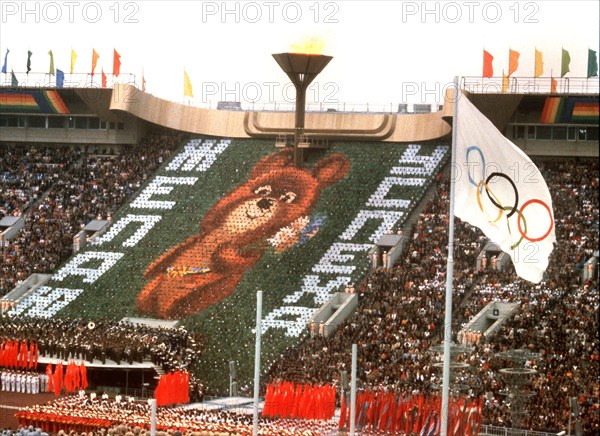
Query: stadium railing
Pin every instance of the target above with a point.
(490, 430)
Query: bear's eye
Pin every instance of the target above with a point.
(263, 190)
(288, 197)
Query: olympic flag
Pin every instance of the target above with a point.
(501, 191)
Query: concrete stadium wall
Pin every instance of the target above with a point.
(239, 124)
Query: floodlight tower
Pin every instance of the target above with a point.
(301, 69)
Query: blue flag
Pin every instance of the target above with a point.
(60, 78)
(5, 61)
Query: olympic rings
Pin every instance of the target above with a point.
(478, 150)
(524, 233)
(521, 221)
(500, 212)
(498, 205)
(516, 244)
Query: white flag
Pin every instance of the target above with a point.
(501, 191)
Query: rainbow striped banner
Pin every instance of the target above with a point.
(585, 112)
(576, 110)
(32, 101)
(553, 108)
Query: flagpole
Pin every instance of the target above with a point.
(449, 269)
(153, 417)
(353, 390)
(257, 362)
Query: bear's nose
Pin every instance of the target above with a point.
(264, 203)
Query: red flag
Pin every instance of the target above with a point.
(186, 387)
(294, 413)
(76, 377)
(95, 57)
(58, 378)
(36, 354)
(553, 85)
(116, 63)
(8, 354)
(158, 392)
(15, 354)
(169, 391)
(488, 69)
(50, 377)
(23, 355)
(83, 375)
(305, 409)
(267, 409)
(103, 79)
(332, 394)
(31, 355)
(387, 412)
(343, 413)
(69, 378)
(276, 399)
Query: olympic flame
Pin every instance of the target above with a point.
(312, 45)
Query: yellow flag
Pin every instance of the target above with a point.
(539, 64)
(187, 85)
(504, 82)
(73, 59)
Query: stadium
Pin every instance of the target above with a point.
(174, 269)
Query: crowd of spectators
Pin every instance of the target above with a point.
(27, 172)
(400, 314)
(60, 189)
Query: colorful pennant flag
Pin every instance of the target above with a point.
(5, 65)
(13, 79)
(539, 64)
(553, 85)
(564, 63)
(116, 63)
(488, 69)
(515, 213)
(103, 78)
(187, 85)
(51, 69)
(95, 57)
(73, 59)
(592, 69)
(29, 61)
(60, 78)
(513, 61)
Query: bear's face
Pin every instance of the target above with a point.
(268, 202)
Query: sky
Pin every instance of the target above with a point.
(384, 52)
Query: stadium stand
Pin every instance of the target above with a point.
(397, 324)
(60, 189)
(400, 313)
